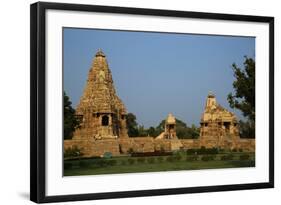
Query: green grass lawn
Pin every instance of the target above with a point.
(152, 164)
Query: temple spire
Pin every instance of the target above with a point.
(211, 102)
(100, 53)
(102, 110)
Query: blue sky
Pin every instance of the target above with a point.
(157, 73)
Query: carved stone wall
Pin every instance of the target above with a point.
(190, 143)
(136, 144)
(91, 148)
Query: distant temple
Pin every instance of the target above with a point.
(169, 128)
(104, 129)
(218, 126)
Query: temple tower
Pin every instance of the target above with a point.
(170, 127)
(218, 126)
(102, 113)
(211, 101)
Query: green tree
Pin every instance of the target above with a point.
(243, 97)
(247, 129)
(194, 131)
(142, 131)
(70, 121)
(151, 132)
(132, 125)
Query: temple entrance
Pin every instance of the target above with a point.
(105, 120)
(227, 126)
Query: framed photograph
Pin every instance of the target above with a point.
(129, 102)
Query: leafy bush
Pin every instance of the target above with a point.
(150, 160)
(72, 152)
(207, 151)
(191, 158)
(244, 157)
(170, 159)
(131, 161)
(150, 154)
(84, 164)
(160, 159)
(207, 158)
(111, 162)
(240, 150)
(234, 150)
(123, 162)
(68, 165)
(177, 157)
(227, 157)
(141, 160)
(100, 163)
(221, 150)
(179, 152)
(202, 150)
(191, 151)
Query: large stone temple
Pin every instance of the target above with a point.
(101, 111)
(103, 122)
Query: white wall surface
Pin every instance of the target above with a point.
(14, 101)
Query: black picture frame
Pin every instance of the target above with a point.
(38, 101)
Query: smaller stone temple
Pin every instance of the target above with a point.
(102, 113)
(170, 127)
(169, 134)
(219, 127)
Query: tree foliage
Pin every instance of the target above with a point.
(132, 125)
(247, 129)
(243, 97)
(70, 121)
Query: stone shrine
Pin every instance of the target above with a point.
(102, 113)
(218, 125)
(170, 127)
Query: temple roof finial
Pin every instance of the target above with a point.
(170, 119)
(100, 53)
(211, 94)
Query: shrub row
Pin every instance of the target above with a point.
(227, 157)
(191, 158)
(149, 154)
(89, 163)
(237, 150)
(207, 158)
(100, 162)
(244, 157)
(203, 150)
